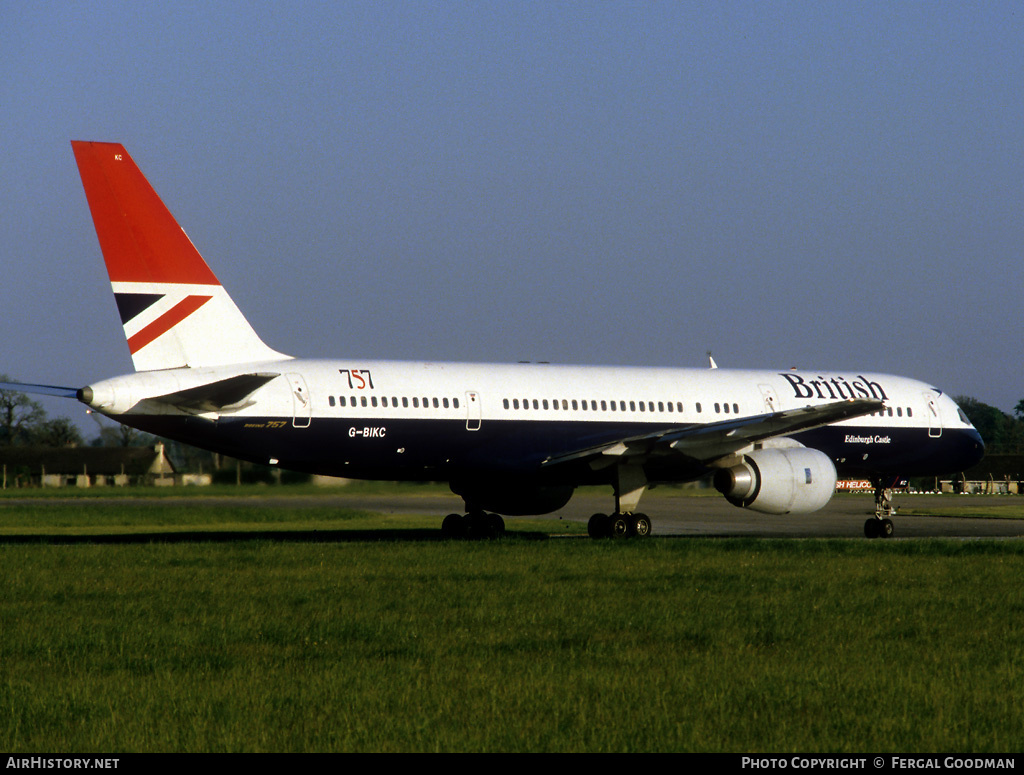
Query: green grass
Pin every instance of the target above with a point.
(139, 517)
(130, 516)
(148, 492)
(1008, 507)
(512, 645)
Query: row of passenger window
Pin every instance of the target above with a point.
(406, 402)
(593, 405)
(540, 404)
(887, 412)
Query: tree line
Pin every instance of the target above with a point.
(1002, 433)
(24, 422)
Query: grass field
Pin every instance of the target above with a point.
(512, 645)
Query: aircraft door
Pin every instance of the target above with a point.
(934, 416)
(302, 406)
(771, 403)
(473, 416)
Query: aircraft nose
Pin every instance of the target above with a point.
(972, 449)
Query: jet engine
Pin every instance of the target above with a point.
(779, 481)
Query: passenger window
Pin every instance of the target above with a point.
(435, 403)
(455, 403)
(545, 404)
(364, 401)
(416, 402)
(444, 402)
(405, 402)
(373, 401)
(536, 404)
(330, 400)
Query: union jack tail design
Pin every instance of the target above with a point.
(174, 310)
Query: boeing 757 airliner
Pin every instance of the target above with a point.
(513, 439)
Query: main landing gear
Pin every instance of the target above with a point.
(475, 524)
(630, 483)
(880, 525)
(619, 525)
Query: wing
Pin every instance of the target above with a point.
(43, 390)
(705, 443)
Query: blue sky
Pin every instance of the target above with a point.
(825, 185)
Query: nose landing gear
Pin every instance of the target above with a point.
(880, 525)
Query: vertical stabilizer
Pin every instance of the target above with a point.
(174, 310)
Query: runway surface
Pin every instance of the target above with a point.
(681, 515)
(673, 514)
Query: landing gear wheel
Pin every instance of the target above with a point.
(879, 528)
(598, 526)
(453, 526)
(479, 524)
(620, 526)
(494, 526)
(641, 525)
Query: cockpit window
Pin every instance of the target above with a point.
(963, 417)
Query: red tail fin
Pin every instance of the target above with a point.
(141, 240)
(174, 310)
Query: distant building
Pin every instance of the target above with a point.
(85, 466)
(995, 474)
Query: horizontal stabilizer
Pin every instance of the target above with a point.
(225, 394)
(43, 390)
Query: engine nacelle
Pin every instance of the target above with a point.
(779, 481)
